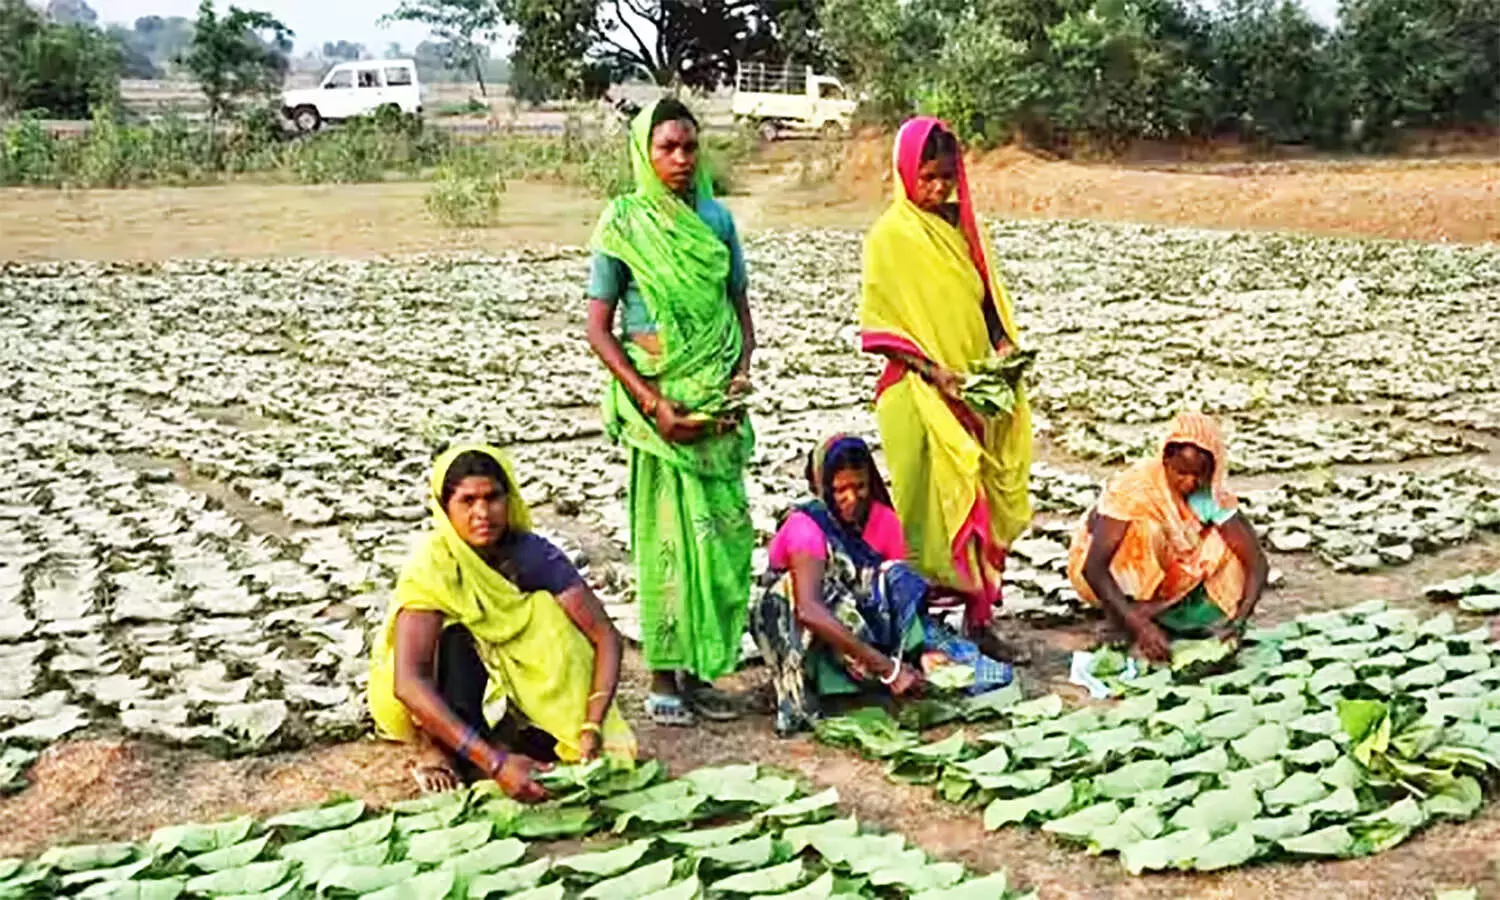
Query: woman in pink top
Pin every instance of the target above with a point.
(841, 606)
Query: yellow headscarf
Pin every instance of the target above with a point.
(537, 658)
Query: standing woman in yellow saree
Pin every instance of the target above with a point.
(933, 306)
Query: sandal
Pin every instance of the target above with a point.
(714, 704)
(434, 777)
(433, 769)
(669, 711)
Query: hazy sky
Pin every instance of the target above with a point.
(316, 21)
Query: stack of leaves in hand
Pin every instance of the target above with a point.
(1337, 734)
(990, 386)
(765, 838)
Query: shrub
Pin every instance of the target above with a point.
(462, 198)
(30, 154)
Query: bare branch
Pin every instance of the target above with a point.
(645, 53)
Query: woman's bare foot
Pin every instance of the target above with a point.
(432, 771)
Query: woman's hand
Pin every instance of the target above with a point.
(516, 777)
(949, 383)
(676, 426)
(1230, 631)
(1149, 637)
(589, 745)
(909, 681)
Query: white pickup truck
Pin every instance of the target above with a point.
(355, 89)
(782, 99)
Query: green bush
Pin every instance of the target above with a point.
(462, 197)
(29, 154)
(171, 151)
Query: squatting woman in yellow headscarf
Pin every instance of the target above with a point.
(495, 655)
(934, 307)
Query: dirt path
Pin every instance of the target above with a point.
(806, 184)
(1422, 200)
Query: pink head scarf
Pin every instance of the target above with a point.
(910, 141)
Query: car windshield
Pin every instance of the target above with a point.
(342, 79)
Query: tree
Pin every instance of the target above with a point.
(563, 47)
(796, 34)
(343, 51)
(60, 70)
(550, 56)
(1423, 63)
(241, 55)
(879, 45)
(161, 40)
(990, 84)
(465, 25)
(1121, 72)
(71, 12)
(1277, 74)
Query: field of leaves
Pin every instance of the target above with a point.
(731, 832)
(217, 467)
(1333, 735)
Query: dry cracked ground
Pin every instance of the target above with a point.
(214, 471)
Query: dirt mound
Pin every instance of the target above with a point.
(1415, 199)
(122, 790)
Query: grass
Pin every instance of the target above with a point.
(471, 107)
(169, 151)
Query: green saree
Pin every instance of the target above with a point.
(691, 536)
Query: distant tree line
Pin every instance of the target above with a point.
(1061, 72)
(1056, 73)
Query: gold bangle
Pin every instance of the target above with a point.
(590, 726)
(596, 695)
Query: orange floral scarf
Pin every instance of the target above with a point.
(1167, 551)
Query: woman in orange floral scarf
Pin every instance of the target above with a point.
(1165, 550)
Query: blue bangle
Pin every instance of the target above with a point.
(467, 744)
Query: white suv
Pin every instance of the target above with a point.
(355, 89)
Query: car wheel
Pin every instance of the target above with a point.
(307, 119)
(769, 131)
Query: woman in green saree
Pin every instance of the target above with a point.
(667, 260)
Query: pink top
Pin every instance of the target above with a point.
(801, 534)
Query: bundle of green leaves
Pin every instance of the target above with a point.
(990, 386)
